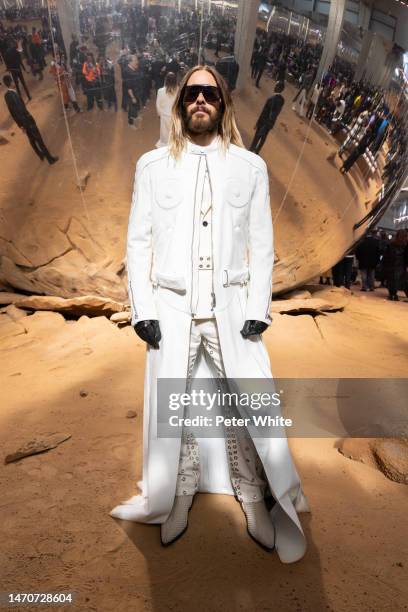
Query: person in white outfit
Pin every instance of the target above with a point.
(200, 258)
(164, 103)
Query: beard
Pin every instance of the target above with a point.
(200, 125)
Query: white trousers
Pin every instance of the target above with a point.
(245, 466)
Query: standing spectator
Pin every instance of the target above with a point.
(356, 131)
(26, 121)
(368, 256)
(14, 65)
(164, 103)
(92, 84)
(158, 72)
(260, 64)
(359, 150)
(123, 62)
(37, 40)
(62, 76)
(267, 118)
(134, 84)
(3, 47)
(335, 123)
(281, 70)
(108, 82)
(34, 58)
(254, 59)
(380, 134)
(75, 59)
(314, 99)
(300, 98)
(395, 263)
(342, 272)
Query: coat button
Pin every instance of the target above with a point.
(205, 223)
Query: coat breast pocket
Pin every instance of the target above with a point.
(237, 193)
(168, 193)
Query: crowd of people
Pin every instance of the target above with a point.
(153, 43)
(341, 105)
(380, 257)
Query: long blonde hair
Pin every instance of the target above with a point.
(227, 127)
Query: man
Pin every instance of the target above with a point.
(368, 256)
(260, 64)
(25, 121)
(342, 271)
(200, 258)
(268, 117)
(108, 82)
(133, 79)
(14, 65)
(396, 264)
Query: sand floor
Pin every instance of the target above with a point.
(81, 377)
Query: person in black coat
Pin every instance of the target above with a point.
(14, 65)
(260, 64)
(267, 118)
(368, 255)
(133, 79)
(358, 150)
(395, 263)
(26, 121)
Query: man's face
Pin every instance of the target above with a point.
(200, 115)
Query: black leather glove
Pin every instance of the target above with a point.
(149, 331)
(253, 328)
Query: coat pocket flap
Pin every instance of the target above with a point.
(231, 276)
(170, 282)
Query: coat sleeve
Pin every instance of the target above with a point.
(139, 249)
(260, 253)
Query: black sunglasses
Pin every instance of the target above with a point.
(210, 93)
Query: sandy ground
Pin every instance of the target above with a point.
(81, 377)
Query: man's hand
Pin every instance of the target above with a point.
(253, 328)
(149, 331)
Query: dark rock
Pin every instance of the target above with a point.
(36, 446)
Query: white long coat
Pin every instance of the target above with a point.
(164, 103)
(159, 256)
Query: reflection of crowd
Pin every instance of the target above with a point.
(378, 256)
(335, 101)
(358, 110)
(154, 42)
